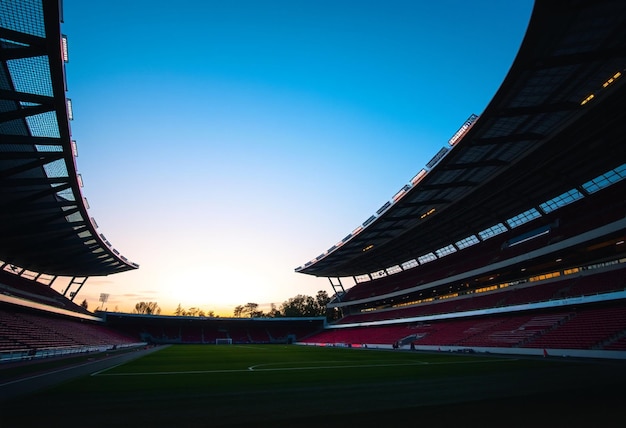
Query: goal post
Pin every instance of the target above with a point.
(224, 341)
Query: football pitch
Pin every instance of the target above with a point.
(275, 385)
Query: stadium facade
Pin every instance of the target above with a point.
(514, 232)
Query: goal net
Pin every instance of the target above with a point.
(224, 341)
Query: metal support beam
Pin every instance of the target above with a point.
(337, 288)
(75, 280)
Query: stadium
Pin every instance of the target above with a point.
(490, 289)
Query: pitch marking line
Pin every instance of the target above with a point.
(102, 372)
(263, 367)
(27, 378)
(368, 365)
(260, 367)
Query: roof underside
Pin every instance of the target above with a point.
(44, 224)
(536, 139)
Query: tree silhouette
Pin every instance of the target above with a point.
(297, 306)
(147, 308)
(180, 311)
(300, 306)
(238, 311)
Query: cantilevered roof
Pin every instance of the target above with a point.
(44, 223)
(557, 121)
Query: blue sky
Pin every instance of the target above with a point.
(223, 144)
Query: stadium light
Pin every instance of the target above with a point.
(587, 99)
(426, 214)
(64, 50)
(418, 177)
(611, 80)
(70, 113)
(463, 130)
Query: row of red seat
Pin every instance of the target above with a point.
(588, 283)
(25, 330)
(600, 327)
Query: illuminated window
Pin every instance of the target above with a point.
(606, 179)
(611, 80)
(394, 269)
(379, 274)
(544, 276)
(426, 258)
(561, 200)
(524, 217)
(445, 250)
(485, 289)
(587, 99)
(449, 296)
(492, 231)
(429, 212)
(74, 217)
(467, 242)
(410, 264)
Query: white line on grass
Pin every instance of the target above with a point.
(259, 368)
(255, 347)
(371, 364)
(101, 373)
(45, 374)
(340, 366)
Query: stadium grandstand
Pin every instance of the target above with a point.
(46, 232)
(510, 240)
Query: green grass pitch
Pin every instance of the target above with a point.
(231, 385)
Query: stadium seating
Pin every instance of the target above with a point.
(581, 284)
(584, 328)
(32, 333)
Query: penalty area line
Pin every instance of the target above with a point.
(101, 373)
